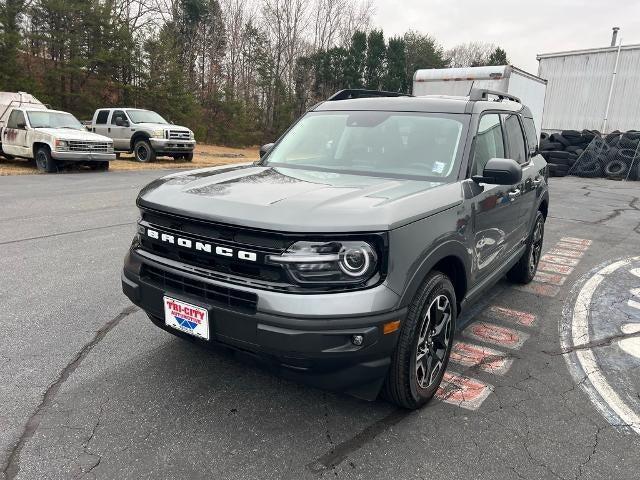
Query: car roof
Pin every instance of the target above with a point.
(431, 103)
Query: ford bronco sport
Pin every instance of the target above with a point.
(345, 254)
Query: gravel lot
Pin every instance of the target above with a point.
(89, 388)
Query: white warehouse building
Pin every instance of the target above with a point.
(581, 84)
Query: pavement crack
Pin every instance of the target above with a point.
(603, 342)
(51, 235)
(12, 465)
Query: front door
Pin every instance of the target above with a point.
(14, 135)
(495, 209)
(121, 135)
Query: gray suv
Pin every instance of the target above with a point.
(343, 257)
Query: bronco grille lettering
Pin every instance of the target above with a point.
(201, 246)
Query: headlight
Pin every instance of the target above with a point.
(62, 145)
(349, 262)
(110, 148)
(157, 134)
(192, 136)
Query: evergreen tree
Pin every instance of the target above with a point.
(498, 57)
(395, 78)
(375, 60)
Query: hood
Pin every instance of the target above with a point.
(68, 134)
(159, 126)
(298, 200)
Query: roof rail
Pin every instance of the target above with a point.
(478, 94)
(349, 93)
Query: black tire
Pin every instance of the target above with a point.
(435, 299)
(616, 169)
(550, 146)
(563, 162)
(143, 152)
(44, 161)
(559, 154)
(526, 268)
(99, 166)
(558, 138)
(188, 157)
(118, 156)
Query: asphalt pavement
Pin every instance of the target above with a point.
(545, 381)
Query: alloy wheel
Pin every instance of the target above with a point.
(536, 246)
(433, 341)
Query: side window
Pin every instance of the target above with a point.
(15, 119)
(103, 115)
(532, 136)
(116, 114)
(489, 143)
(515, 138)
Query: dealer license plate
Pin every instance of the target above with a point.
(186, 317)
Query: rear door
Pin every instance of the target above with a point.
(14, 135)
(101, 126)
(523, 195)
(494, 212)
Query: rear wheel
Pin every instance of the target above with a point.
(44, 161)
(143, 152)
(423, 349)
(188, 157)
(527, 266)
(99, 166)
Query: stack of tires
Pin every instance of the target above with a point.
(562, 150)
(590, 154)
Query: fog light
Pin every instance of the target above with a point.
(357, 340)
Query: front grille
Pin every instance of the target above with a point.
(217, 295)
(179, 135)
(90, 147)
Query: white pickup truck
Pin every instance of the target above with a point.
(28, 129)
(143, 132)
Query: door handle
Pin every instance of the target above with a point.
(514, 193)
(537, 182)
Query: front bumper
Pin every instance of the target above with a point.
(83, 156)
(162, 145)
(312, 345)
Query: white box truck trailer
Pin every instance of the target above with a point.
(528, 88)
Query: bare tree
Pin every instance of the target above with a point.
(473, 54)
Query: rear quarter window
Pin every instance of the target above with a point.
(532, 136)
(102, 117)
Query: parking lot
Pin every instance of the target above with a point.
(544, 381)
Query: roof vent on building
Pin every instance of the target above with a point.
(614, 36)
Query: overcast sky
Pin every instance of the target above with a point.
(523, 29)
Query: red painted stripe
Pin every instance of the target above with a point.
(578, 241)
(566, 253)
(509, 315)
(572, 246)
(572, 262)
(552, 267)
(484, 358)
(539, 289)
(552, 278)
(491, 333)
(463, 391)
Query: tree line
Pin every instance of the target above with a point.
(235, 71)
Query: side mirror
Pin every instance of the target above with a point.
(22, 126)
(500, 171)
(264, 149)
(120, 122)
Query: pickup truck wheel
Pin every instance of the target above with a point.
(44, 161)
(426, 337)
(99, 166)
(188, 157)
(526, 268)
(143, 151)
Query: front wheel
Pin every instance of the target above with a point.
(44, 161)
(526, 268)
(426, 337)
(143, 152)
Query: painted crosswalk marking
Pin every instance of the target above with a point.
(484, 358)
(553, 267)
(566, 253)
(572, 246)
(463, 391)
(510, 315)
(495, 334)
(540, 289)
(552, 278)
(571, 262)
(577, 241)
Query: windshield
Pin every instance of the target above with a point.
(145, 116)
(46, 119)
(403, 144)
